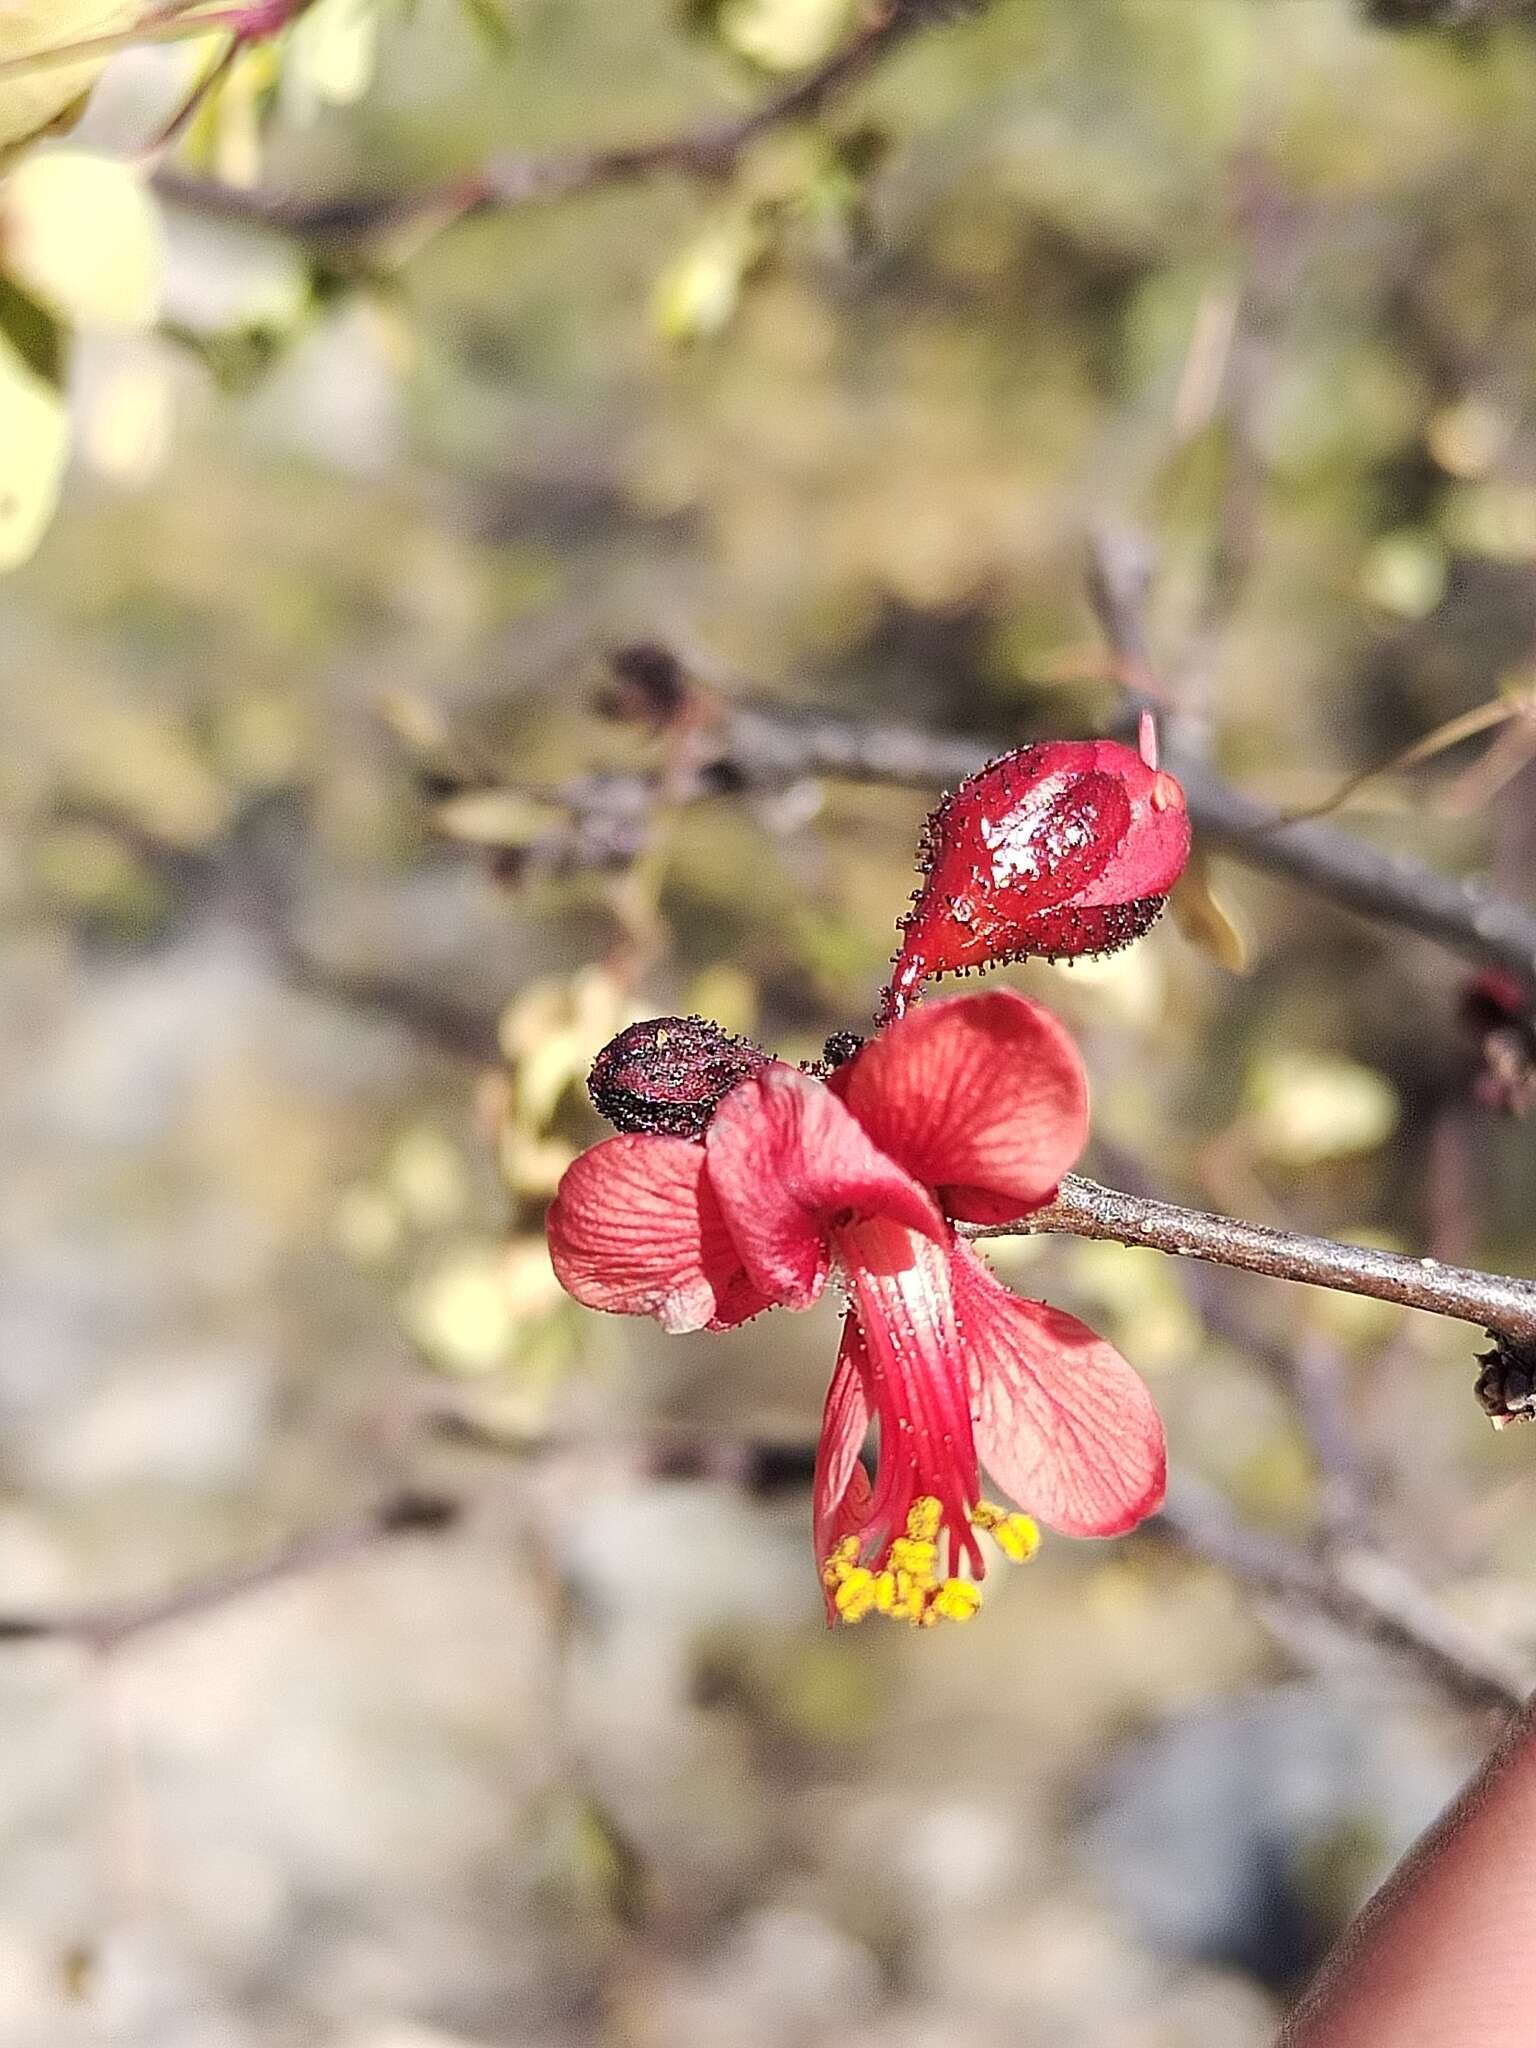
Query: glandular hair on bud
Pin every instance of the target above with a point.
(668, 1076)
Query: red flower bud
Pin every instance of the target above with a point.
(668, 1076)
(1500, 1012)
(1061, 849)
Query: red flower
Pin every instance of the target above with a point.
(969, 1109)
(1061, 849)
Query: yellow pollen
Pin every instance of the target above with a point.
(855, 1595)
(925, 1518)
(1016, 1536)
(955, 1600)
(841, 1562)
(907, 1586)
(921, 1560)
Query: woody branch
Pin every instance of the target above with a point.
(1504, 1306)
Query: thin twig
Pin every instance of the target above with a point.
(1083, 1208)
(1307, 1366)
(108, 1626)
(1366, 1594)
(765, 748)
(1444, 14)
(709, 154)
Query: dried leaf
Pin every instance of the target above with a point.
(1203, 919)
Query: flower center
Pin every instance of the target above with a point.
(905, 1585)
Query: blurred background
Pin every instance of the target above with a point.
(321, 546)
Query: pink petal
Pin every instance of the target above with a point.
(841, 1492)
(635, 1228)
(915, 1370)
(1063, 1424)
(788, 1163)
(982, 1098)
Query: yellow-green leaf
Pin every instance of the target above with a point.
(332, 50)
(34, 447)
(696, 297)
(1304, 1108)
(81, 234)
(1204, 919)
(784, 35)
(33, 101)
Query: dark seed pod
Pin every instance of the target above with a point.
(668, 1076)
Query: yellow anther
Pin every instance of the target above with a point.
(955, 1600)
(919, 1560)
(1017, 1537)
(843, 1560)
(855, 1596)
(906, 1585)
(925, 1518)
(908, 1598)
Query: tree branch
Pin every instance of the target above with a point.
(1506, 1307)
(765, 748)
(107, 1627)
(1364, 1593)
(709, 153)
(1444, 14)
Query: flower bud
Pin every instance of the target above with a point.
(1058, 850)
(669, 1075)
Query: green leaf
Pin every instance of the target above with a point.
(32, 331)
(491, 24)
(34, 449)
(697, 295)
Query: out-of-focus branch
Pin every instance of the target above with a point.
(708, 153)
(109, 1626)
(764, 749)
(1367, 1595)
(1502, 1305)
(754, 749)
(1444, 14)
